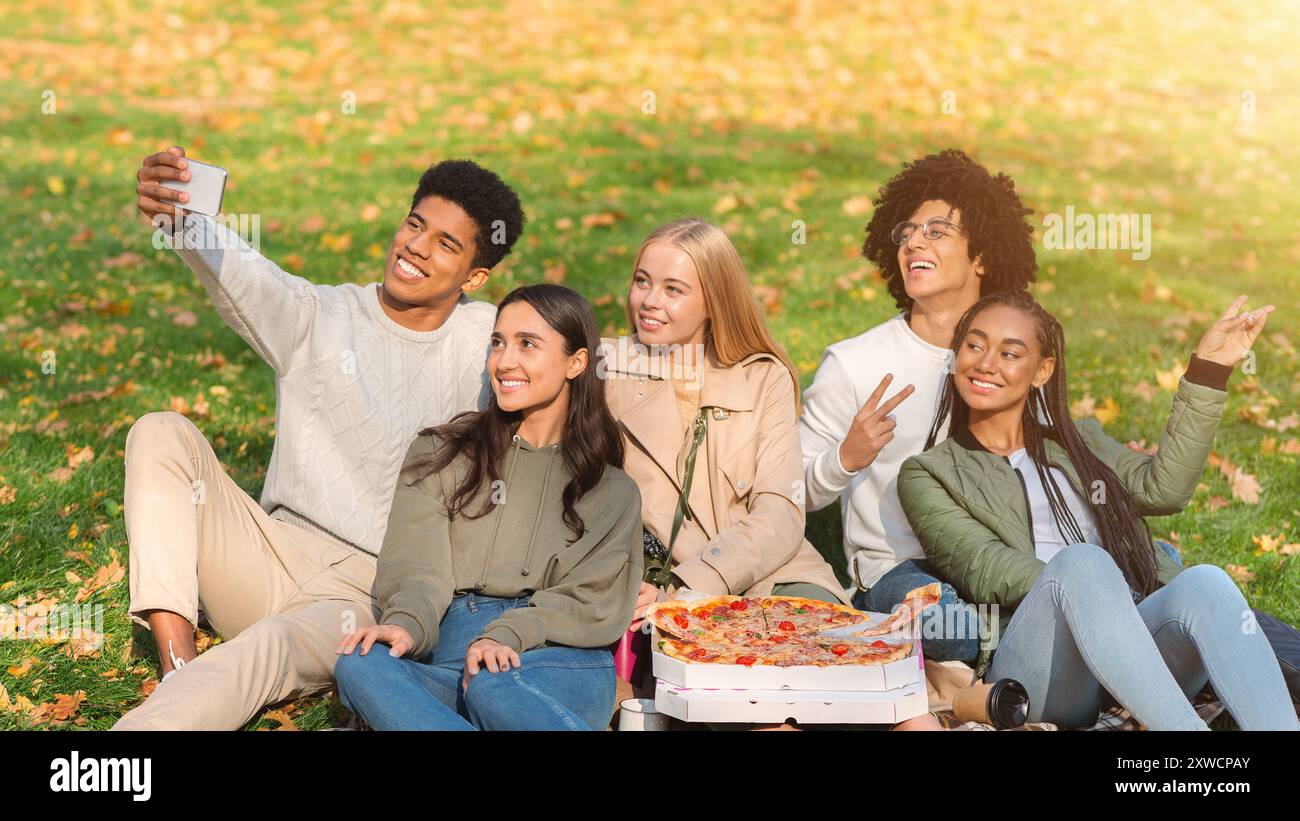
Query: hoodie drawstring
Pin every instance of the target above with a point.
(537, 520)
(487, 559)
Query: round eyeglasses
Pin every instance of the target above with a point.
(934, 228)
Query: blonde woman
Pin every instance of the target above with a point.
(707, 402)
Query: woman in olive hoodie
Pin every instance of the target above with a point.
(1022, 509)
(513, 552)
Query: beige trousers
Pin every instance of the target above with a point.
(280, 596)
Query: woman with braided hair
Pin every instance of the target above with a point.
(1024, 509)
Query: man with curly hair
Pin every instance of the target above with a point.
(945, 232)
(359, 370)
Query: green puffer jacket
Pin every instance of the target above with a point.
(969, 509)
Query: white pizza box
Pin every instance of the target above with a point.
(804, 706)
(873, 678)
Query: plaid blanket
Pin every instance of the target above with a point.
(1207, 705)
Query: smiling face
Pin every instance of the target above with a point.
(431, 257)
(938, 266)
(528, 365)
(999, 360)
(666, 298)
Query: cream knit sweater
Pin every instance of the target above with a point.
(352, 386)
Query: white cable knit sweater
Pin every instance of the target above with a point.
(352, 386)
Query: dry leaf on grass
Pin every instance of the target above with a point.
(67, 706)
(1168, 380)
(1266, 543)
(1239, 574)
(105, 575)
(281, 718)
(1245, 487)
(79, 456)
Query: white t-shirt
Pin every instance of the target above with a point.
(1048, 538)
(877, 535)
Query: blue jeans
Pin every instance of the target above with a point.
(555, 688)
(949, 631)
(1077, 635)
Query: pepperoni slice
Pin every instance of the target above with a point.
(746, 660)
(698, 653)
(739, 604)
(880, 645)
(787, 626)
(840, 649)
(681, 621)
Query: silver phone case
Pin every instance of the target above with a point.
(207, 187)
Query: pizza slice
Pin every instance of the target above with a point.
(809, 615)
(860, 652)
(913, 604)
(712, 619)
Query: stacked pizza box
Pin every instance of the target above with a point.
(842, 694)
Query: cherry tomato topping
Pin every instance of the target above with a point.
(746, 660)
(739, 604)
(787, 626)
(681, 621)
(840, 649)
(880, 645)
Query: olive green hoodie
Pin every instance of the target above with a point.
(583, 591)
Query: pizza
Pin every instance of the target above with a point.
(781, 631)
(913, 603)
(738, 618)
(798, 652)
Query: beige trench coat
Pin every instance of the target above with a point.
(747, 534)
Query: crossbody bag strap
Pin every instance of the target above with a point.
(683, 512)
(659, 572)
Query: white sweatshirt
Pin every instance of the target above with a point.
(877, 536)
(352, 386)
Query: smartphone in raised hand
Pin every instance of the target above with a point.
(206, 187)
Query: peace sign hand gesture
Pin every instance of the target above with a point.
(872, 427)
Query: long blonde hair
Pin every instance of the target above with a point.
(735, 327)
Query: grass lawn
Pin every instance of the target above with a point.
(610, 121)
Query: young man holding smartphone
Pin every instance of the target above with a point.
(359, 369)
(944, 233)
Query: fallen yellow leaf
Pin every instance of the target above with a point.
(1168, 380)
(1107, 411)
(1266, 543)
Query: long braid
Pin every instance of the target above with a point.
(1124, 533)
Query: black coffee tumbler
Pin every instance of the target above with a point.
(1004, 704)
